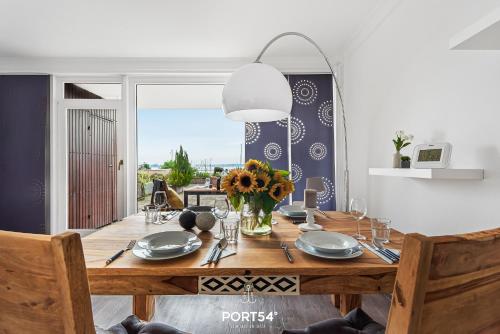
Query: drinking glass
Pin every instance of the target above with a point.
(150, 213)
(358, 211)
(380, 230)
(230, 228)
(160, 201)
(221, 210)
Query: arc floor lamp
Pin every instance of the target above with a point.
(258, 92)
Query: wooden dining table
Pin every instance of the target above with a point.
(259, 260)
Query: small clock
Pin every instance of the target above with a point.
(436, 155)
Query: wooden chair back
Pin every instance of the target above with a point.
(43, 285)
(448, 284)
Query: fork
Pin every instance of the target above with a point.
(287, 252)
(130, 245)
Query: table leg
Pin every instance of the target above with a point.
(348, 303)
(197, 200)
(186, 198)
(144, 306)
(336, 300)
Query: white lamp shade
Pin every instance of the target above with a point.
(257, 93)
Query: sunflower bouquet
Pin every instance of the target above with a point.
(261, 187)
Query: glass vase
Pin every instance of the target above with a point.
(253, 221)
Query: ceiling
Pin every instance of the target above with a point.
(177, 29)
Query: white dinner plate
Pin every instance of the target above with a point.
(166, 242)
(329, 242)
(193, 245)
(350, 254)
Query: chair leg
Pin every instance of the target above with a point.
(349, 303)
(336, 300)
(144, 306)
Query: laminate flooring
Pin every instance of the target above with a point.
(204, 314)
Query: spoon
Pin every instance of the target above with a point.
(221, 246)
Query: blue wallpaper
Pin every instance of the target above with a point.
(311, 137)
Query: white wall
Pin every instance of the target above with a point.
(404, 77)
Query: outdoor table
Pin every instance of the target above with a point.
(199, 191)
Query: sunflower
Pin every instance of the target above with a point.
(229, 182)
(289, 186)
(252, 165)
(278, 177)
(246, 181)
(277, 192)
(262, 181)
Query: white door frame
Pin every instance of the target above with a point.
(131, 133)
(59, 144)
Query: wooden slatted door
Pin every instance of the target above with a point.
(92, 168)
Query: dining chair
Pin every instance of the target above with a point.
(444, 284)
(44, 288)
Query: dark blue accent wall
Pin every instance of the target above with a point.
(24, 155)
(310, 138)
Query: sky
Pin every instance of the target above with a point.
(204, 133)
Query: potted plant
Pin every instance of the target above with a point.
(401, 141)
(181, 172)
(254, 191)
(405, 161)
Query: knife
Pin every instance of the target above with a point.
(376, 252)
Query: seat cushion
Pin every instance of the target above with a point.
(133, 325)
(174, 200)
(355, 322)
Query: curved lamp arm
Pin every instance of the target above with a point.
(341, 100)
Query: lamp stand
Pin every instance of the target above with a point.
(335, 89)
(310, 224)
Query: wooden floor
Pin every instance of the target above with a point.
(203, 314)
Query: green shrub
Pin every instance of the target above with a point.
(168, 164)
(145, 165)
(218, 171)
(201, 174)
(182, 172)
(143, 177)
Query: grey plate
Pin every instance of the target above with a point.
(332, 256)
(329, 242)
(166, 242)
(194, 245)
(292, 211)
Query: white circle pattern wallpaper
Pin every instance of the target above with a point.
(303, 143)
(326, 114)
(272, 151)
(252, 132)
(305, 92)
(318, 151)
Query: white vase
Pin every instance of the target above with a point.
(396, 160)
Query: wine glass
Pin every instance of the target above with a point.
(160, 201)
(221, 210)
(358, 210)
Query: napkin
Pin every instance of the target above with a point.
(225, 253)
(376, 252)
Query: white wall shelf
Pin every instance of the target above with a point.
(481, 35)
(428, 173)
